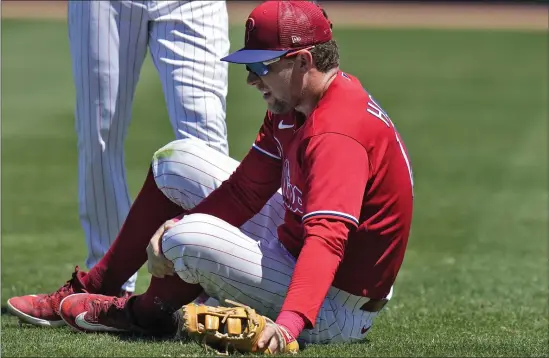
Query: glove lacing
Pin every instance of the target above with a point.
(252, 318)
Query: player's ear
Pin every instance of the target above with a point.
(305, 61)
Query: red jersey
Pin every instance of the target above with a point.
(348, 191)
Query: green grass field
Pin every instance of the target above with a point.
(472, 108)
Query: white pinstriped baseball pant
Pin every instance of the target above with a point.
(108, 43)
(247, 264)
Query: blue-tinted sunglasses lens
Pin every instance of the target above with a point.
(258, 68)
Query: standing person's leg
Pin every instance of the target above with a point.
(108, 43)
(187, 40)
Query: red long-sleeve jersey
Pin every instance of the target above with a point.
(348, 191)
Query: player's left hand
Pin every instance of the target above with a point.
(157, 264)
(272, 338)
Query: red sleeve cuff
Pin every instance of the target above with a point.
(331, 215)
(294, 322)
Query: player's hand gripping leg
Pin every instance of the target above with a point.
(158, 265)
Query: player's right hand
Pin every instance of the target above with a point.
(157, 264)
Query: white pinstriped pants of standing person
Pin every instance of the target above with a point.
(247, 264)
(108, 43)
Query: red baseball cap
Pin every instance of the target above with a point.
(275, 28)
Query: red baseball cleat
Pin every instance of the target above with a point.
(38, 310)
(42, 310)
(88, 312)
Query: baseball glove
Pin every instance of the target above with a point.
(226, 329)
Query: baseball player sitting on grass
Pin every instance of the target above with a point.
(308, 232)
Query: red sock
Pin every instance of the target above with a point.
(153, 310)
(127, 253)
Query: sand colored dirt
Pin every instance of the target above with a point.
(381, 15)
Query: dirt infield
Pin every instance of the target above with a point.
(382, 15)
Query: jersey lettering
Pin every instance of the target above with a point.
(292, 194)
(375, 109)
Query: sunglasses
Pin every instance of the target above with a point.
(262, 68)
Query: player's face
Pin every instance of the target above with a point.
(274, 82)
(274, 86)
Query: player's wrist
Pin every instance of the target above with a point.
(293, 322)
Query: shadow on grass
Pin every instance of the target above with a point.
(365, 341)
(202, 351)
(11, 321)
(136, 337)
